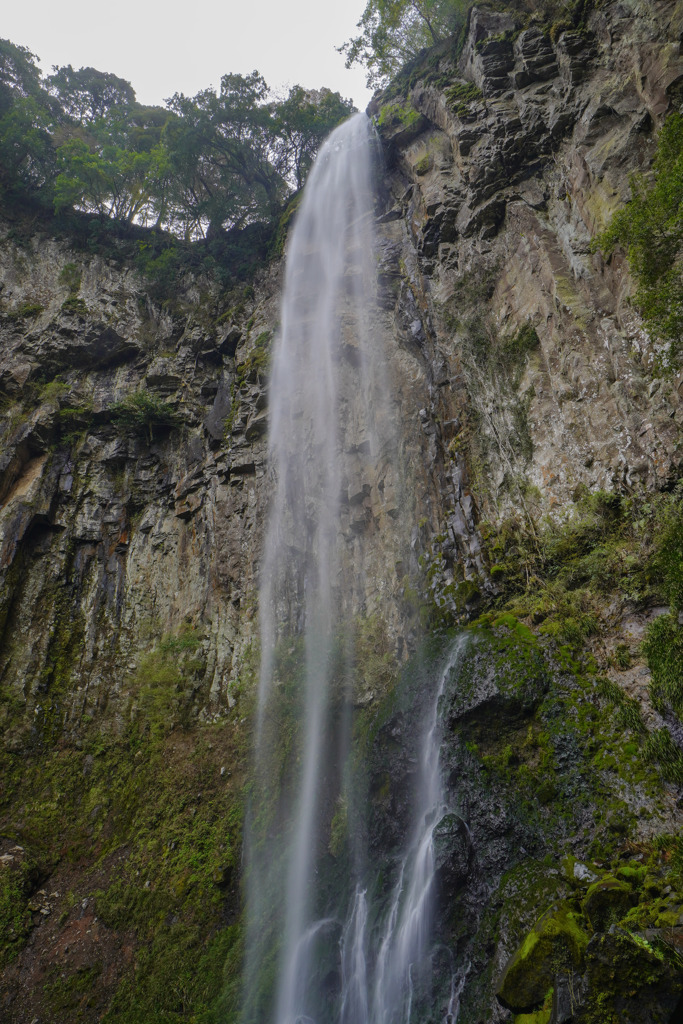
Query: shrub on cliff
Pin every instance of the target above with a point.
(142, 411)
(650, 229)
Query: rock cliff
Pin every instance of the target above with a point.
(133, 492)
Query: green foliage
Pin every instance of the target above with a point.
(622, 656)
(301, 123)
(461, 95)
(142, 412)
(71, 994)
(200, 168)
(254, 365)
(374, 660)
(650, 229)
(15, 916)
(285, 223)
(339, 827)
(661, 748)
(70, 275)
(155, 814)
(108, 178)
(74, 306)
(556, 573)
(19, 73)
(392, 32)
(663, 648)
(524, 341)
(628, 708)
(88, 95)
(27, 161)
(53, 390)
(396, 113)
(24, 311)
(233, 156)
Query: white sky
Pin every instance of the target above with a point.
(173, 46)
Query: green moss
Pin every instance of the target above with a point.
(558, 939)
(661, 749)
(70, 276)
(339, 827)
(424, 164)
(558, 574)
(520, 344)
(461, 95)
(24, 311)
(606, 902)
(650, 229)
(663, 648)
(255, 365)
(74, 306)
(541, 1016)
(15, 916)
(285, 223)
(398, 114)
(156, 816)
(72, 994)
(621, 967)
(633, 873)
(622, 656)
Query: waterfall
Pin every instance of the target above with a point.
(332, 459)
(402, 945)
(327, 420)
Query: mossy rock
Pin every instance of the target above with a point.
(541, 1016)
(606, 902)
(502, 677)
(634, 874)
(557, 939)
(630, 981)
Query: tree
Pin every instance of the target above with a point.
(300, 125)
(19, 74)
(88, 94)
(219, 147)
(395, 31)
(27, 155)
(110, 179)
(27, 119)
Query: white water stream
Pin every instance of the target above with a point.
(328, 410)
(324, 338)
(402, 944)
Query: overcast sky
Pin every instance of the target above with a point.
(172, 46)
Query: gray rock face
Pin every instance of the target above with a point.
(501, 196)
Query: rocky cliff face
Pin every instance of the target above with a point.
(134, 486)
(502, 181)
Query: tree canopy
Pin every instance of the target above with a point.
(198, 167)
(392, 32)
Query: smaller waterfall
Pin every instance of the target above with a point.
(402, 962)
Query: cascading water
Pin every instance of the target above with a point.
(329, 422)
(316, 427)
(401, 947)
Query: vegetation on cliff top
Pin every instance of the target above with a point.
(199, 167)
